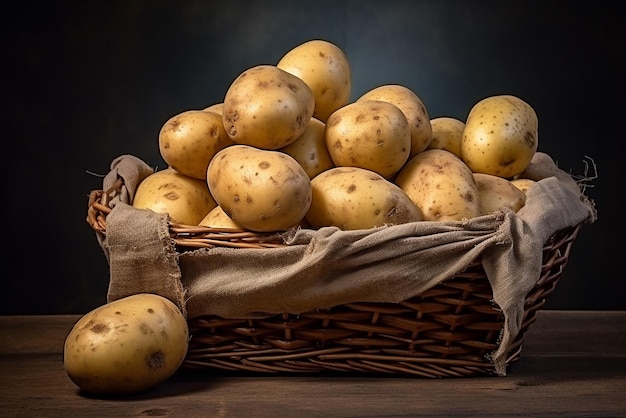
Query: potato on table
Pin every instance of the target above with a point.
(126, 346)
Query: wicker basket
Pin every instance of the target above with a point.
(446, 331)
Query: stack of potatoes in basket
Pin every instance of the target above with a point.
(286, 148)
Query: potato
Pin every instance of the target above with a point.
(267, 108)
(441, 185)
(496, 193)
(324, 67)
(500, 136)
(215, 107)
(186, 199)
(370, 134)
(412, 107)
(447, 134)
(523, 184)
(356, 198)
(217, 218)
(261, 190)
(310, 149)
(126, 346)
(188, 141)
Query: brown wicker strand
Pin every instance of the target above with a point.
(184, 236)
(448, 331)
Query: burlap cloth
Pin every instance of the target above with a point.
(329, 267)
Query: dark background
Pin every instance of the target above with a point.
(85, 82)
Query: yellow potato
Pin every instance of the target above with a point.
(370, 134)
(215, 107)
(126, 346)
(523, 184)
(324, 67)
(310, 149)
(186, 199)
(447, 134)
(500, 136)
(496, 193)
(412, 107)
(188, 141)
(217, 218)
(355, 198)
(441, 185)
(261, 190)
(267, 108)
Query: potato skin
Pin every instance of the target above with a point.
(261, 190)
(370, 134)
(190, 139)
(186, 199)
(447, 134)
(324, 67)
(267, 108)
(217, 218)
(441, 185)
(215, 107)
(126, 346)
(310, 149)
(356, 198)
(500, 136)
(496, 193)
(413, 108)
(523, 184)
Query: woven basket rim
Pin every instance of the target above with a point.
(192, 236)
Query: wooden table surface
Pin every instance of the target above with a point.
(573, 364)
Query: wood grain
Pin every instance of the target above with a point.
(573, 364)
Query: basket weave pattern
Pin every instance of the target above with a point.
(446, 331)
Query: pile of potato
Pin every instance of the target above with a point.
(287, 148)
